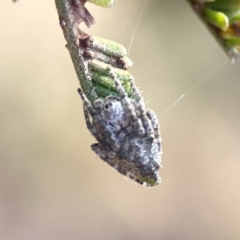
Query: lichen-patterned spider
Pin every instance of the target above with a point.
(127, 134)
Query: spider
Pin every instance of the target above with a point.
(127, 134)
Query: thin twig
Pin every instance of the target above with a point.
(67, 20)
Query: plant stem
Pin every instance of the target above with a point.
(71, 34)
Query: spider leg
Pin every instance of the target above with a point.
(91, 127)
(137, 95)
(111, 98)
(97, 119)
(141, 107)
(89, 108)
(153, 118)
(105, 155)
(127, 105)
(87, 103)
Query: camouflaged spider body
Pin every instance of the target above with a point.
(127, 134)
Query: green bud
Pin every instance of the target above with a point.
(103, 3)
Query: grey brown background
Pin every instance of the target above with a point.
(53, 187)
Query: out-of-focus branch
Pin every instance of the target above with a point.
(222, 17)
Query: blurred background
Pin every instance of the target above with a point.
(53, 187)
